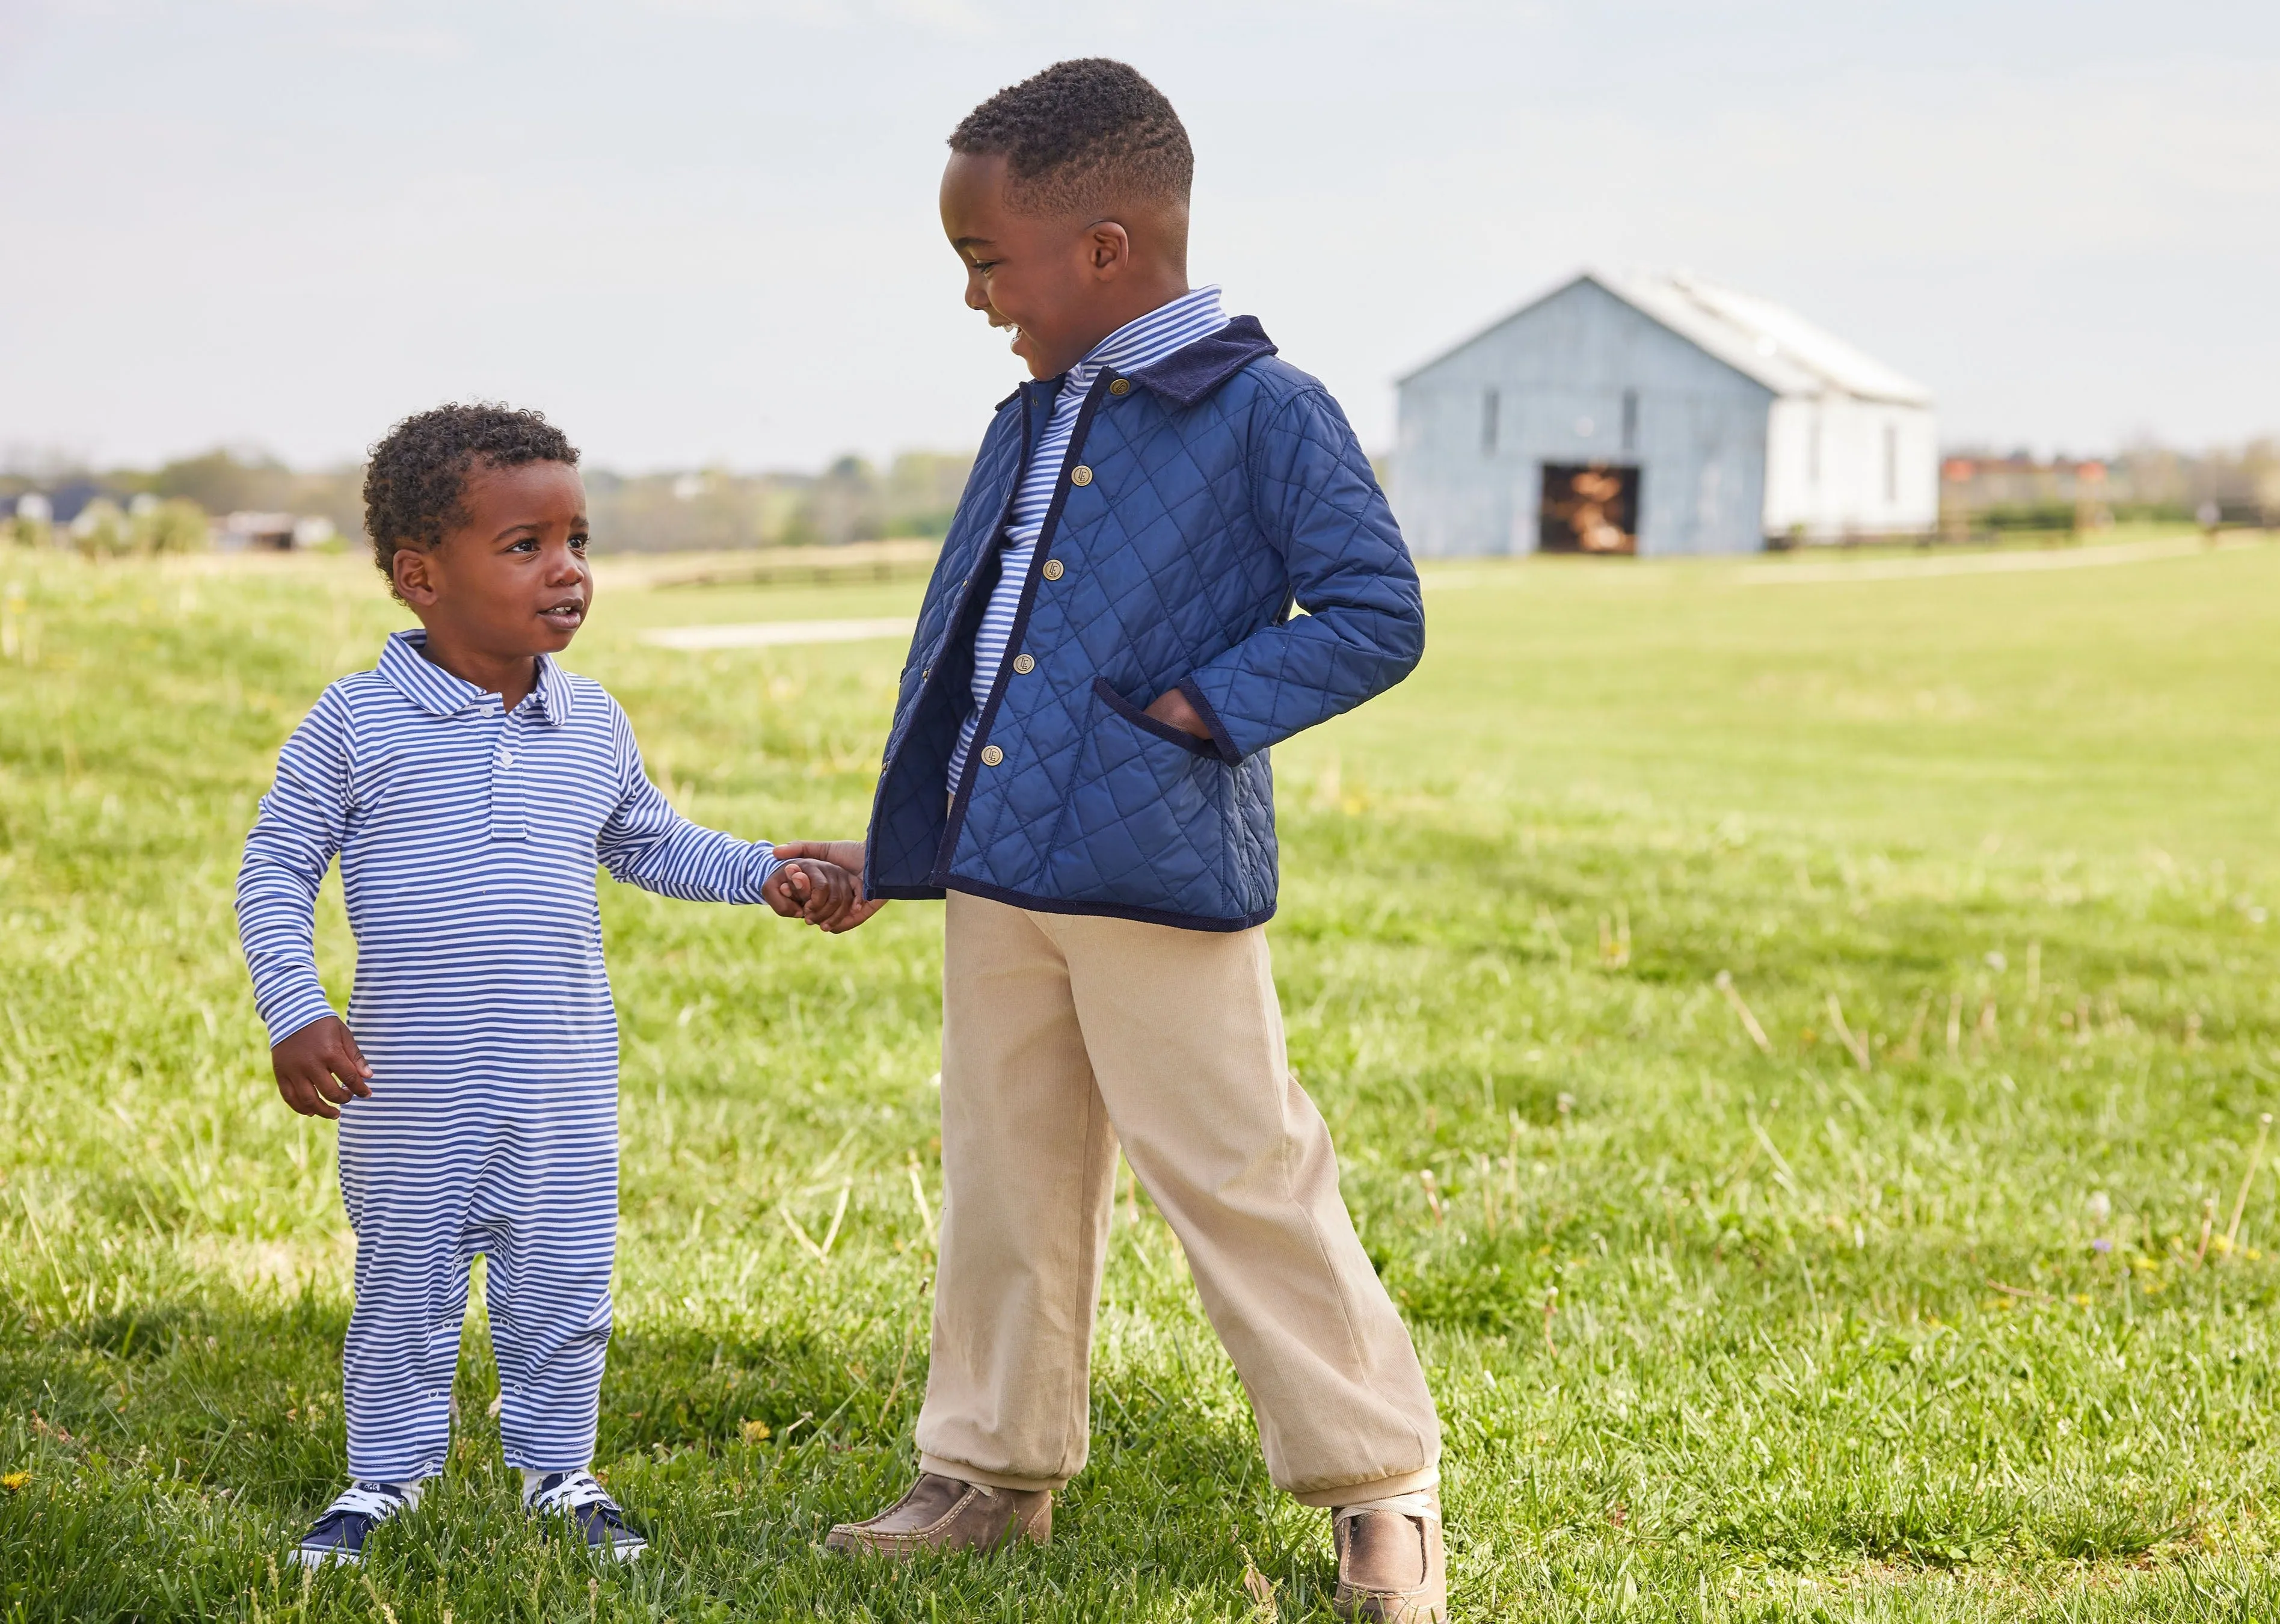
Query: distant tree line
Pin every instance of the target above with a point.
(714, 509)
(2244, 484)
(2017, 491)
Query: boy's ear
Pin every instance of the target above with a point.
(413, 571)
(1108, 246)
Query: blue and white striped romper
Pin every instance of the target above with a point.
(467, 839)
(1140, 343)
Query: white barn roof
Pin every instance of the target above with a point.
(1756, 337)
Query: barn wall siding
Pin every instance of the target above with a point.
(1561, 370)
(1723, 461)
(1827, 475)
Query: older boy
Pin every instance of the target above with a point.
(1079, 759)
(468, 786)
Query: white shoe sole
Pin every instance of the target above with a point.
(303, 1556)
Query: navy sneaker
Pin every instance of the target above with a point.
(340, 1533)
(591, 1512)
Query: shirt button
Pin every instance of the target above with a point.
(1122, 386)
(1023, 664)
(506, 757)
(1052, 569)
(1080, 475)
(991, 755)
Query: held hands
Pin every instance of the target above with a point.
(845, 858)
(818, 889)
(319, 1068)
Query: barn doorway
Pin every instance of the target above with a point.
(1589, 507)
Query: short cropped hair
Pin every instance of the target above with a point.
(1081, 135)
(418, 474)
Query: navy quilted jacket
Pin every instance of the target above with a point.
(1202, 496)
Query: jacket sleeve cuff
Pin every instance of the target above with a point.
(1224, 741)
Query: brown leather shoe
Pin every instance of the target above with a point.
(1391, 1568)
(942, 1513)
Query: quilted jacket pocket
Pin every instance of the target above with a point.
(1146, 723)
(1146, 821)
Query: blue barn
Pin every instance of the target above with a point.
(1658, 415)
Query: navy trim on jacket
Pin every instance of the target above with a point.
(1037, 557)
(1112, 911)
(1188, 375)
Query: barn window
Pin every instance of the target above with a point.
(1891, 462)
(1489, 420)
(1630, 419)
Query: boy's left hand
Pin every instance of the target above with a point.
(1175, 707)
(823, 894)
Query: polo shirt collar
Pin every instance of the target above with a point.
(1161, 331)
(405, 663)
(1147, 346)
(1188, 374)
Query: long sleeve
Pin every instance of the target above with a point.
(295, 838)
(647, 844)
(1363, 628)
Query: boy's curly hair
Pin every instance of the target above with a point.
(1082, 134)
(418, 473)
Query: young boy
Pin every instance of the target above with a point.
(468, 786)
(1079, 759)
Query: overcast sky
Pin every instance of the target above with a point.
(704, 230)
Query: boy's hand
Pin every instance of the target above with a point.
(846, 855)
(822, 893)
(1175, 707)
(319, 1068)
(792, 891)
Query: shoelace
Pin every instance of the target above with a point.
(570, 1491)
(372, 1501)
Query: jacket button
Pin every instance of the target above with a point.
(1023, 664)
(1052, 569)
(1080, 475)
(991, 755)
(928, 672)
(1121, 386)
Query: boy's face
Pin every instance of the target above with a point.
(1050, 278)
(510, 580)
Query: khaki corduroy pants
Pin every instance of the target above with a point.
(1062, 1035)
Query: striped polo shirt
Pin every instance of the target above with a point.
(1139, 342)
(467, 836)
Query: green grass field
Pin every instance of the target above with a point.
(1965, 1332)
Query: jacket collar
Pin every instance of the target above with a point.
(403, 661)
(1187, 375)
